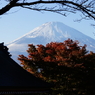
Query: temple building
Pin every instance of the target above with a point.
(15, 80)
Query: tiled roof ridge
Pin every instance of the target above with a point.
(4, 49)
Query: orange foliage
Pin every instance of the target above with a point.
(65, 63)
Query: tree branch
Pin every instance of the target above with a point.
(86, 7)
(71, 4)
(8, 6)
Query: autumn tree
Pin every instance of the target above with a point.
(86, 8)
(69, 66)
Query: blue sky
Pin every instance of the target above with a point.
(19, 21)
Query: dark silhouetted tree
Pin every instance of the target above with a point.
(69, 66)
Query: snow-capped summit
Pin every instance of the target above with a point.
(49, 32)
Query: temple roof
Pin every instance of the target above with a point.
(14, 79)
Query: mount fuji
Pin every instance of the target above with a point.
(49, 32)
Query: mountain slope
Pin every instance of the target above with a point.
(51, 31)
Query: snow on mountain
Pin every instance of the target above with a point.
(48, 32)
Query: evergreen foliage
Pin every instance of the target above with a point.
(69, 66)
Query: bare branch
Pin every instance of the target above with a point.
(8, 7)
(85, 7)
(82, 6)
